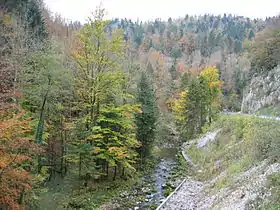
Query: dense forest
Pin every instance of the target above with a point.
(90, 101)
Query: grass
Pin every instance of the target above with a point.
(239, 166)
(270, 111)
(69, 193)
(274, 184)
(222, 182)
(242, 142)
(84, 198)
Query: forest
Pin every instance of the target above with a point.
(90, 102)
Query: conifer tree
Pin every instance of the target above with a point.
(146, 120)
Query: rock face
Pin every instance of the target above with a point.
(263, 91)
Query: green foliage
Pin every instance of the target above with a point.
(231, 101)
(98, 75)
(251, 35)
(274, 185)
(45, 76)
(30, 13)
(111, 139)
(168, 190)
(105, 130)
(84, 105)
(240, 143)
(265, 51)
(146, 120)
(176, 52)
(199, 103)
(269, 110)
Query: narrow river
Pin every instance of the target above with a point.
(160, 177)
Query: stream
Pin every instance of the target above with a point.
(159, 177)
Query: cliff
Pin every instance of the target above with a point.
(263, 91)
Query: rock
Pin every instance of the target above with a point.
(264, 90)
(150, 196)
(208, 137)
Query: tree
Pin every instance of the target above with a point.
(17, 145)
(190, 109)
(173, 71)
(212, 88)
(198, 103)
(98, 65)
(265, 51)
(29, 12)
(146, 120)
(176, 53)
(46, 86)
(109, 143)
(251, 35)
(104, 134)
(16, 164)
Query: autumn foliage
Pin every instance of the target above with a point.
(16, 146)
(16, 151)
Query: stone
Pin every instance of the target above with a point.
(262, 91)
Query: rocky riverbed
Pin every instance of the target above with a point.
(149, 192)
(160, 178)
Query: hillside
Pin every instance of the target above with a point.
(95, 115)
(237, 169)
(188, 45)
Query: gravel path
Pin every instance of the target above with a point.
(186, 197)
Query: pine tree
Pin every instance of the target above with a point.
(251, 35)
(146, 120)
(30, 12)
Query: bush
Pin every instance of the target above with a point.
(274, 184)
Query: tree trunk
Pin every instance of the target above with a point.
(62, 148)
(115, 173)
(65, 153)
(21, 199)
(107, 169)
(40, 127)
(123, 172)
(80, 166)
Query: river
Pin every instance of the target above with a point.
(160, 177)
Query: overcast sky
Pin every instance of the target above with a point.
(151, 9)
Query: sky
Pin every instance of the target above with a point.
(151, 9)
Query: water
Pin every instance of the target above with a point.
(160, 175)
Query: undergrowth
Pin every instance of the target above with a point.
(270, 111)
(241, 143)
(122, 192)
